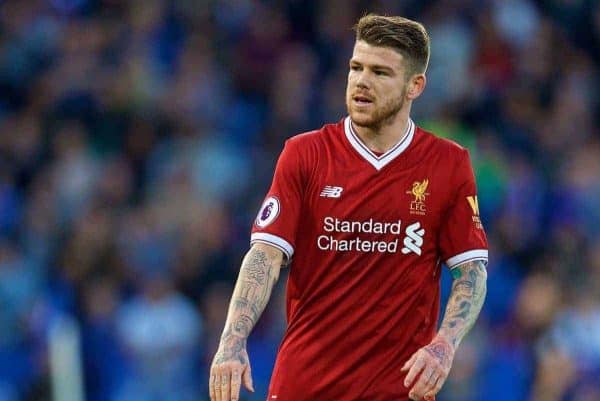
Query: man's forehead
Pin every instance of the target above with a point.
(369, 54)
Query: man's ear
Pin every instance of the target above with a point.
(416, 85)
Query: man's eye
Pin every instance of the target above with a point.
(354, 68)
(380, 73)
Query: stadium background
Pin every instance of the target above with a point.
(137, 139)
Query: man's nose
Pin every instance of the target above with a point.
(363, 81)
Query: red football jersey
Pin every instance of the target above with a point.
(366, 235)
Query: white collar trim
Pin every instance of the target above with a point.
(379, 162)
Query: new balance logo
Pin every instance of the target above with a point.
(331, 192)
(414, 239)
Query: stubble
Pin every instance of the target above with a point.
(381, 116)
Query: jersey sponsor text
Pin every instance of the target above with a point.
(412, 241)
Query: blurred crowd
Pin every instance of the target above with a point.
(138, 137)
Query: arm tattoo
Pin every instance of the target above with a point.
(442, 351)
(250, 296)
(232, 349)
(465, 302)
(258, 267)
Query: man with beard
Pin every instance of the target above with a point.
(369, 208)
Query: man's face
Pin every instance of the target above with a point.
(377, 83)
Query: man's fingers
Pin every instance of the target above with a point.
(414, 371)
(429, 394)
(436, 387)
(430, 385)
(217, 386)
(225, 382)
(419, 389)
(409, 363)
(236, 382)
(225, 385)
(429, 377)
(247, 377)
(211, 387)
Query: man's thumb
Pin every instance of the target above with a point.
(247, 377)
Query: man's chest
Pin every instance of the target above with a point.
(414, 194)
(365, 210)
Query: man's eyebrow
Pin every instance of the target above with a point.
(372, 66)
(381, 67)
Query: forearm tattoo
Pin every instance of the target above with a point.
(252, 292)
(465, 302)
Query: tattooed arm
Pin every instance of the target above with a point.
(259, 272)
(434, 360)
(465, 302)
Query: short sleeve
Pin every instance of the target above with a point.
(277, 220)
(462, 237)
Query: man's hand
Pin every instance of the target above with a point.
(230, 366)
(433, 363)
(259, 272)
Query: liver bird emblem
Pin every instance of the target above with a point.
(418, 190)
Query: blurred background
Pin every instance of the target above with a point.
(138, 138)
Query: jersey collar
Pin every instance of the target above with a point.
(379, 162)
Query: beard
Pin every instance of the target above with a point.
(379, 116)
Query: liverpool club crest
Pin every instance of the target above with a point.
(419, 191)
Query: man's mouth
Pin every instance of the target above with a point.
(362, 100)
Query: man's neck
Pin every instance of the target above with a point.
(382, 139)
